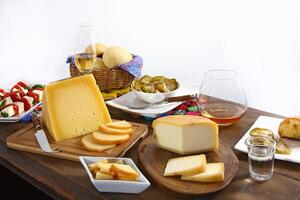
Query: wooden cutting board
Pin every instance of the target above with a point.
(70, 149)
(154, 160)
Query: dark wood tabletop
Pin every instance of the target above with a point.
(62, 179)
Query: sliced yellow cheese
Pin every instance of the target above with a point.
(89, 143)
(214, 172)
(103, 176)
(114, 131)
(186, 134)
(119, 125)
(73, 107)
(103, 138)
(185, 165)
(124, 170)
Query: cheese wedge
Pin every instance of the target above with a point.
(114, 131)
(103, 138)
(124, 170)
(185, 165)
(89, 143)
(119, 125)
(102, 176)
(73, 107)
(214, 172)
(186, 134)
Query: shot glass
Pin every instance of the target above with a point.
(261, 157)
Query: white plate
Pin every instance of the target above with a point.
(19, 117)
(272, 123)
(115, 185)
(153, 112)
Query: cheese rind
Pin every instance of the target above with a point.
(185, 134)
(73, 107)
(214, 172)
(185, 165)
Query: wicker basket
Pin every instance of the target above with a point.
(108, 79)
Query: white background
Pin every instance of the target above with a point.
(260, 39)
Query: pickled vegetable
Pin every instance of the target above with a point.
(282, 147)
(154, 84)
(263, 132)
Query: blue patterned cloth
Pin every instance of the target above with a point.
(134, 67)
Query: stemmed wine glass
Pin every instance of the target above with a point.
(222, 97)
(85, 47)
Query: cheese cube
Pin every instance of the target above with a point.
(73, 107)
(214, 172)
(186, 134)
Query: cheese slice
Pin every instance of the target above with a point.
(186, 134)
(214, 172)
(119, 125)
(185, 165)
(103, 138)
(89, 143)
(73, 107)
(114, 131)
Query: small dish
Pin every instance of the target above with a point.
(19, 117)
(154, 97)
(272, 123)
(115, 186)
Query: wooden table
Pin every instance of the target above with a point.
(62, 179)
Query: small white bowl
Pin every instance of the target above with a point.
(116, 186)
(154, 97)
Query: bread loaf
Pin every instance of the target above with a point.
(290, 128)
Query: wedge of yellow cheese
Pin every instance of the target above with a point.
(73, 107)
(186, 134)
(185, 165)
(214, 172)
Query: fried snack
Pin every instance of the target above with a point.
(290, 128)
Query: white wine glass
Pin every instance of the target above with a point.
(85, 47)
(221, 97)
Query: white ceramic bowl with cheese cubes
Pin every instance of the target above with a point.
(116, 186)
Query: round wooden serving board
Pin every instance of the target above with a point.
(154, 160)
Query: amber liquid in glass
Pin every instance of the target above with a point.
(224, 113)
(85, 62)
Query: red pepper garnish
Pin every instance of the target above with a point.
(15, 96)
(2, 92)
(15, 108)
(42, 89)
(34, 96)
(20, 90)
(27, 105)
(22, 84)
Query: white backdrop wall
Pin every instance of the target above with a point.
(260, 39)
